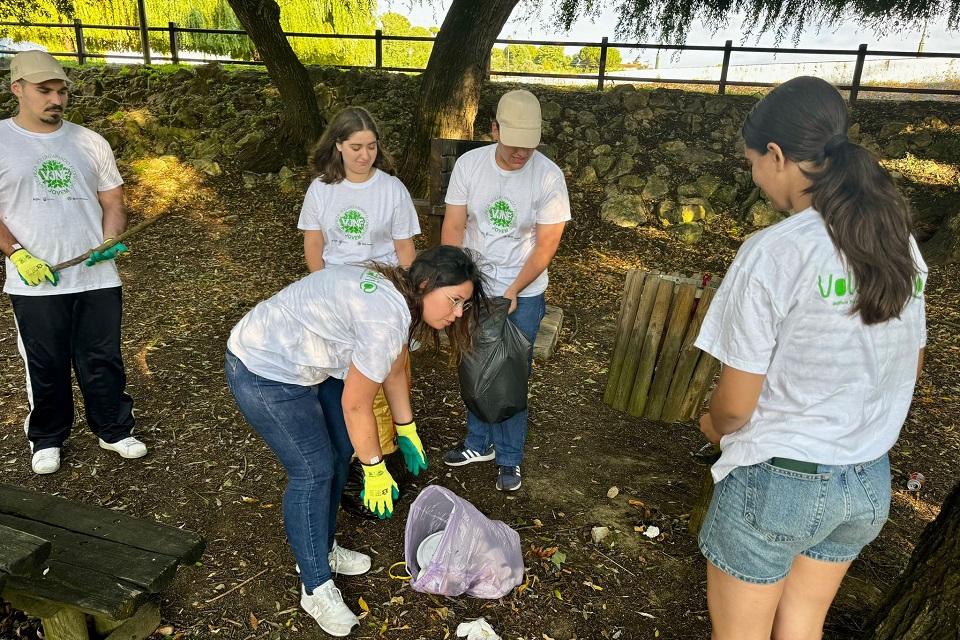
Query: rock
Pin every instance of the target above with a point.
(207, 71)
(599, 534)
(250, 179)
(696, 209)
(660, 98)
(251, 138)
(206, 149)
(631, 181)
(624, 166)
(707, 185)
(726, 194)
(613, 492)
(672, 147)
(688, 191)
(572, 159)
(588, 175)
(896, 149)
(687, 232)
(655, 188)
(636, 100)
(854, 132)
(662, 170)
(922, 140)
(289, 182)
(602, 164)
(207, 166)
(587, 118)
(616, 95)
(762, 215)
(549, 150)
(625, 210)
(550, 111)
(698, 156)
(602, 150)
(644, 114)
(591, 136)
(892, 129)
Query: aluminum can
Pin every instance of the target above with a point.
(915, 481)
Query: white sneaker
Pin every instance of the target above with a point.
(327, 608)
(346, 562)
(46, 460)
(128, 447)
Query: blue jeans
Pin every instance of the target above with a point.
(304, 427)
(508, 436)
(762, 517)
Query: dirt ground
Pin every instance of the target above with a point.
(194, 273)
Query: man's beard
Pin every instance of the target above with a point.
(52, 117)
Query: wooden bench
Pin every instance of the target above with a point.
(21, 554)
(102, 564)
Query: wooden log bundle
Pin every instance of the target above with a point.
(655, 371)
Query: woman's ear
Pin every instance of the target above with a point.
(422, 287)
(779, 159)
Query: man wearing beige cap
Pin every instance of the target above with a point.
(509, 202)
(60, 196)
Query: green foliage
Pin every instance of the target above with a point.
(527, 58)
(410, 55)
(588, 59)
(670, 20)
(303, 16)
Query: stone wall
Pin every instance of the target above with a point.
(665, 157)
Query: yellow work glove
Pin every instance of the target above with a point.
(411, 448)
(379, 489)
(32, 270)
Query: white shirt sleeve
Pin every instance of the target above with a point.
(405, 223)
(108, 176)
(457, 189)
(310, 211)
(555, 205)
(743, 321)
(378, 344)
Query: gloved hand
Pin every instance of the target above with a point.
(107, 254)
(379, 489)
(32, 270)
(411, 448)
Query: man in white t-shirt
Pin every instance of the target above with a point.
(508, 202)
(60, 196)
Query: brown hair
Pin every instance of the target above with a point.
(326, 159)
(441, 266)
(866, 216)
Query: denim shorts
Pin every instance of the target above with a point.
(762, 517)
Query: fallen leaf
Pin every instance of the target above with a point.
(165, 630)
(635, 503)
(363, 604)
(254, 623)
(249, 500)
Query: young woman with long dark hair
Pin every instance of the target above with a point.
(819, 325)
(304, 367)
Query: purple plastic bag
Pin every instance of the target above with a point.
(476, 555)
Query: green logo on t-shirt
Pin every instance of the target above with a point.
(55, 174)
(843, 290)
(502, 214)
(368, 281)
(353, 222)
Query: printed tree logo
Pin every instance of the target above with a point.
(501, 216)
(353, 223)
(54, 174)
(368, 281)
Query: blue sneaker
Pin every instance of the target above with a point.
(508, 478)
(462, 455)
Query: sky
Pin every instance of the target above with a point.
(847, 36)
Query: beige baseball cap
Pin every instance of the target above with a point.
(518, 119)
(36, 66)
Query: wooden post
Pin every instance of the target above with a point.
(667, 362)
(686, 363)
(702, 504)
(651, 346)
(625, 320)
(630, 361)
(174, 44)
(603, 63)
(144, 34)
(727, 47)
(81, 47)
(66, 624)
(378, 39)
(857, 73)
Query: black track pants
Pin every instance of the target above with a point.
(79, 331)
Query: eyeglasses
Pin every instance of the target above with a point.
(462, 304)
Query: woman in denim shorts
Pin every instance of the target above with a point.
(819, 325)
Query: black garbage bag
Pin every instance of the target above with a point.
(493, 378)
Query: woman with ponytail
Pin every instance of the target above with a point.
(819, 325)
(343, 331)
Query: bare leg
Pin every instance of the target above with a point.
(740, 610)
(808, 592)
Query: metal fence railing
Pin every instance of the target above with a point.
(602, 75)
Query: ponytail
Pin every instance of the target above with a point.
(867, 218)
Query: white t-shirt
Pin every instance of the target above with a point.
(48, 201)
(361, 220)
(316, 327)
(504, 209)
(836, 391)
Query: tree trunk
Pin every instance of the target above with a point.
(450, 85)
(302, 121)
(944, 246)
(925, 602)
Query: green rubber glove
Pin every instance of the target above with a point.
(32, 270)
(107, 254)
(379, 489)
(411, 448)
